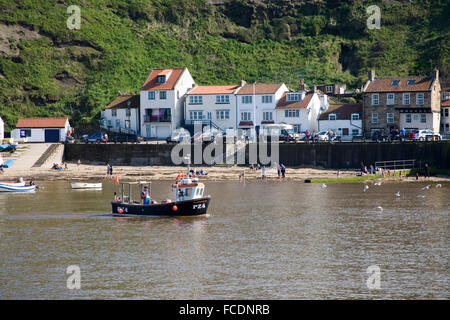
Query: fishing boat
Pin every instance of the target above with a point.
(12, 183)
(188, 200)
(84, 185)
(4, 188)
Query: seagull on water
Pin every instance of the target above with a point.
(438, 185)
(380, 208)
(427, 187)
(324, 185)
(397, 194)
(366, 187)
(377, 183)
(420, 196)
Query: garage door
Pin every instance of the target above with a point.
(52, 135)
(163, 132)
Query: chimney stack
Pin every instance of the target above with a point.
(372, 74)
(436, 73)
(301, 86)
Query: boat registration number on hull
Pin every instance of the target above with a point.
(199, 206)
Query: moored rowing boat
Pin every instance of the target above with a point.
(84, 185)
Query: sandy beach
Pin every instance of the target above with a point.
(87, 172)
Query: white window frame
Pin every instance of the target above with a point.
(128, 112)
(222, 99)
(392, 100)
(374, 117)
(195, 99)
(113, 112)
(247, 99)
(389, 117)
(151, 95)
(162, 95)
(355, 130)
(246, 116)
(329, 89)
(423, 116)
(223, 114)
(406, 99)
(291, 113)
(420, 99)
(267, 116)
(267, 99)
(196, 115)
(408, 118)
(355, 116)
(375, 98)
(332, 117)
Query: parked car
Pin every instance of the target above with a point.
(426, 135)
(321, 136)
(208, 135)
(127, 138)
(179, 135)
(97, 138)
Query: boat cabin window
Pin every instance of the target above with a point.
(200, 191)
(188, 192)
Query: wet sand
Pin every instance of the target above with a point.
(168, 173)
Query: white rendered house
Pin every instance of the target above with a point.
(162, 101)
(256, 104)
(214, 105)
(122, 114)
(300, 109)
(344, 119)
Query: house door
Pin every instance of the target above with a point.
(153, 131)
(147, 132)
(345, 131)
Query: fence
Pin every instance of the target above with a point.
(397, 164)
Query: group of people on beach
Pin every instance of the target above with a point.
(193, 173)
(57, 166)
(281, 171)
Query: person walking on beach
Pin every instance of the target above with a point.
(263, 172)
(279, 171)
(283, 171)
(111, 171)
(427, 170)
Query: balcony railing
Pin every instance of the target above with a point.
(157, 118)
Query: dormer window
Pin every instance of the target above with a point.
(332, 116)
(411, 82)
(395, 83)
(294, 97)
(161, 79)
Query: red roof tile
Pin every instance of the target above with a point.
(41, 123)
(260, 88)
(385, 84)
(225, 89)
(283, 104)
(343, 111)
(445, 103)
(150, 83)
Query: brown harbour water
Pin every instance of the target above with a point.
(261, 240)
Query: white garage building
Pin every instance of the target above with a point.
(41, 130)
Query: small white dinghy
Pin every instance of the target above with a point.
(4, 188)
(12, 183)
(84, 185)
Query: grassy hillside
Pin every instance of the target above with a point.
(47, 69)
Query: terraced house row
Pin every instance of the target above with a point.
(170, 98)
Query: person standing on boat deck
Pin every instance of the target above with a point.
(145, 195)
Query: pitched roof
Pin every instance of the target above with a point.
(445, 103)
(125, 101)
(245, 123)
(41, 123)
(150, 83)
(225, 89)
(343, 111)
(385, 84)
(260, 88)
(283, 104)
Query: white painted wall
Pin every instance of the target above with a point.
(121, 115)
(2, 129)
(260, 107)
(308, 116)
(174, 100)
(335, 125)
(416, 124)
(209, 105)
(38, 134)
